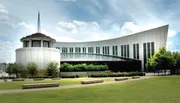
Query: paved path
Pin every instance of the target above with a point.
(71, 86)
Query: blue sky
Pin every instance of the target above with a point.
(82, 20)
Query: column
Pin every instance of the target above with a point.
(41, 43)
(30, 43)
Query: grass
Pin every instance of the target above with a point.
(63, 82)
(153, 90)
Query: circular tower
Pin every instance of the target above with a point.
(37, 48)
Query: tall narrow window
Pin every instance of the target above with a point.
(107, 50)
(122, 51)
(116, 50)
(84, 49)
(113, 50)
(144, 52)
(137, 51)
(71, 49)
(97, 50)
(134, 51)
(128, 51)
(152, 48)
(103, 50)
(148, 47)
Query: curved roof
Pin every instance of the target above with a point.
(38, 35)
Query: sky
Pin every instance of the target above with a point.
(83, 20)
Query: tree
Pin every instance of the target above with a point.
(9, 68)
(52, 69)
(162, 60)
(32, 68)
(176, 67)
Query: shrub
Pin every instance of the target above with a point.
(42, 73)
(83, 67)
(31, 77)
(52, 69)
(32, 68)
(110, 74)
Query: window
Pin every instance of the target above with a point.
(103, 51)
(97, 50)
(64, 49)
(45, 44)
(71, 49)
(36, 43)
(144, 52)
(122, 51)
(106, 50)
(84, 49)
(137, 45)
(26, 43)
(128, 51)
(152, 48)
(115, 50)
(134, 51)
(148, 47)
(90, 50)
(77, 50)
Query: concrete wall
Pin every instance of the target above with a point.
(42, 56)
(156, 35)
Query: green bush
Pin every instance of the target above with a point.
(52, 69)
(119, 74)
(31, 77)
(7, 77)
(83, 67)
(32, 68)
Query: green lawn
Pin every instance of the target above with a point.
(18, 85)
(154, 90)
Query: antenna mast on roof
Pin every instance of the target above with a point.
(38, 23)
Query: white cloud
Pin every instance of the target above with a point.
(3, 13)
(129, 27)
(7, 50)
(171, 33)
(76, 26)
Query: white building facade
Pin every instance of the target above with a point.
(138, 46)
(37, 48)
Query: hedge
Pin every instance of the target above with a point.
(106, 74)
(31, 77)
(83, 67)
(118, 74)
(7, 77)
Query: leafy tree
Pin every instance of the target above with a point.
(32, 68)
(52, 68)
(176, 67)
(9, 68)
(162, 60)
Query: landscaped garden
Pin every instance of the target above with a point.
(164, 89)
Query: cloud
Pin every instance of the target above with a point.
(3, 13)
(76, 26)
(171, 33)
(7, 50)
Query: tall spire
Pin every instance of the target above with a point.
(38, 23)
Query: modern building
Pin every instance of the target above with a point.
(37, 48)
(127, 53)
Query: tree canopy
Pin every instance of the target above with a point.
(162, 60)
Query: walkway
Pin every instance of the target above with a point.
(71, 86)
